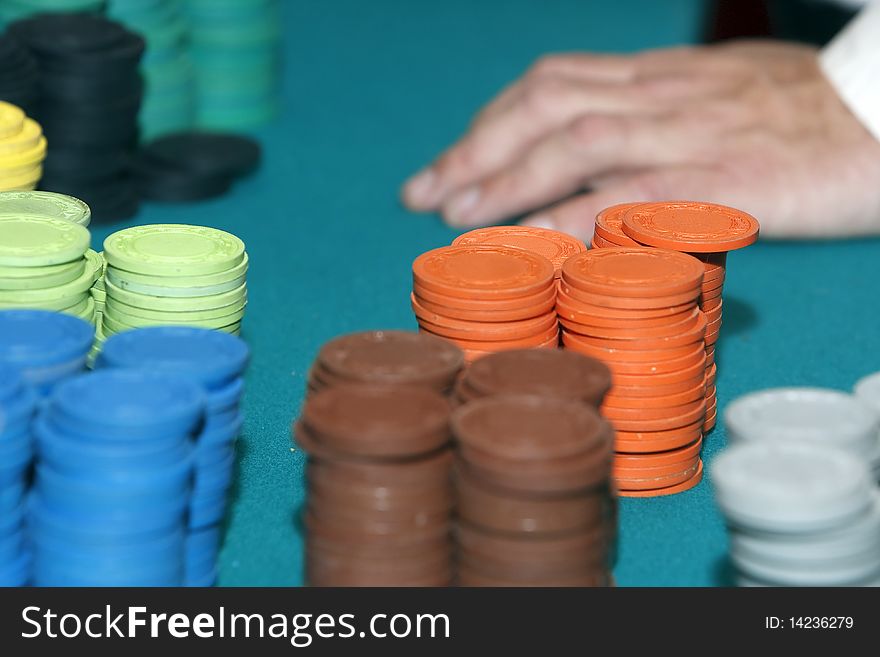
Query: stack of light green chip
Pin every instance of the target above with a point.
(235, 47)
(174, 275)
(169, 94)
(46, 263)
(12, 10)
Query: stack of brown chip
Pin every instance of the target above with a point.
(379, 490)
(387, 358)
(544, 372)
(535, 506)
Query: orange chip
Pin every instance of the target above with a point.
(669, 490)
(693, 334)
(483, 272)
(690, 226)
(489, 331)
(609, 222)
(657, 401)
(639, 442)
(426, 309)
(585, 327)
(610, 413)
(554, 245)
(659, 458)
(535, 341)
(633, 272)
(484, 304)
(694, 414)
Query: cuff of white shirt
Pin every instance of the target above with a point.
(852, 64)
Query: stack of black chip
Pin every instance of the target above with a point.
(191, 166)
(90, 94)
(18, 74)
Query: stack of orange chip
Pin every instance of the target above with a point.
(486, 298)
(554, 245)
(636, 310)
(707, 231)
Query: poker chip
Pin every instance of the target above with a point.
(45, 262)
(89, 99)
(216, 362)
(19, 72)
(380, 497)
(46, 347)
(486, 298)
(387, 358)
(115, 514)
(192, 166)
(234, 46)
(703, 230)
(22, 149)
(867, 391)
(169, 97)
(534, 502)
(174, 275)
(635, 310)
(799, 514)
(17, 406)
(805, 415)
(544, 372)
(554, 245)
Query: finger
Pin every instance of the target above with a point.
(496, 143)
(566, 160)
(577, 216)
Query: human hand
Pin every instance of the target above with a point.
(754, 125)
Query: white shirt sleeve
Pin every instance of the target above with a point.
(852, 63)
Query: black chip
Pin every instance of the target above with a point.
(207, 153)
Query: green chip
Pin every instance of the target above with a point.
(58, 305)
(175, 304)
(173, 319)
(44, 204)
(122, 310)
(173, 250)
(75, 288)
(38, 241)
(37, 278)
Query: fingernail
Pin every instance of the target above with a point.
(463, 204)
(420, 186)
(541, 221)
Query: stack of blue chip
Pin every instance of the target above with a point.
(114, 480)
(45, 346)
(17, 405)
(217, 361)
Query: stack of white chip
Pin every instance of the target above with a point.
(809, 415)
(799, 515)
(867, 391)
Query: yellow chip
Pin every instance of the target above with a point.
(29, 157)
(28, 138)
(23, 181)
(11, 120)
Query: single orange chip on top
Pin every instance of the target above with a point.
(691, 226)
(483, 271)
(554, 245)
(609, 224)
(634, 272)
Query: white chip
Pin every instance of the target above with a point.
(788, 487)
(804, 415)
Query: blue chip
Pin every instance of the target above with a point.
(213, 358)
(37, 338)
(10, 382)
(136, 400)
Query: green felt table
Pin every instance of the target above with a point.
(372, 90)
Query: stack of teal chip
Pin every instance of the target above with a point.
(17, 405)
(113, 481)
(45, 260)
(45, 347)
(235, 47)
(174, 275)
(12, 10)
(216, 361)
(169, 96)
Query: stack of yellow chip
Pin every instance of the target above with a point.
(22, 149)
